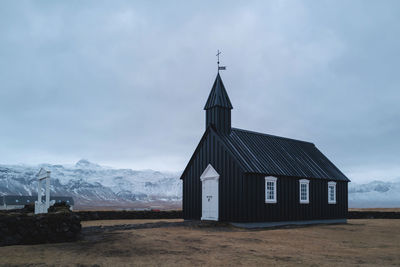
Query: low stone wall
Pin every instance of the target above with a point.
(120, 215)
(26, 228)
(22, 227)
(177, 214)
(373, 215)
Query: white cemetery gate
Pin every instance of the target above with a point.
(209, 194)
(40, 206)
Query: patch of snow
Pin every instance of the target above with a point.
(91, 182)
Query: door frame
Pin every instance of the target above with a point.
(209, 174)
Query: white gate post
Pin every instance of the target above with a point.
(40, 206)
(39, 191)
(48, 190)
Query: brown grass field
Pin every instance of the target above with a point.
(358, 243)
(376, 209)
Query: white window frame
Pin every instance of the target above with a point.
(271, 179)
(330, 201)
(307, 183)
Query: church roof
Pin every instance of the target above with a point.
(218, 95)
(274, 155)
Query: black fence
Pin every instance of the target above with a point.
(177, 214)
(373, 215)
(120, 215)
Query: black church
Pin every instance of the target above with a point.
(237, 175)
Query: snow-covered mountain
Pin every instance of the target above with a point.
(376, 194)
(93, 185)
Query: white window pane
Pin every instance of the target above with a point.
(332, 193)
(270, 191)
(303, 192)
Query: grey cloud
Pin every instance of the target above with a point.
(124, 83)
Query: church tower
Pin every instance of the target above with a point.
(218, 108)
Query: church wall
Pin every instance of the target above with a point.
(288, 207)
(213, 152)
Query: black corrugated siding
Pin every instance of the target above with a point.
(220, 118)
(231, 196)
(288, 207)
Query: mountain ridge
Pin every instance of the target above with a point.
(91, 185)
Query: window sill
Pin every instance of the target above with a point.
(304, 202)
(332, 203)
(270, 202)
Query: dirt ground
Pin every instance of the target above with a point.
(358, 243)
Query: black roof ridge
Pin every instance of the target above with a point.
(275, 136)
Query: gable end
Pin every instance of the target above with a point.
(211, 131)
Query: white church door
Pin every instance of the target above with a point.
(209, 194)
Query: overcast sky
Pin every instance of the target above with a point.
(124, 84)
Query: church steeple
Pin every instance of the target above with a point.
(218, 108)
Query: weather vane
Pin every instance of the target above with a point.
(219, 67)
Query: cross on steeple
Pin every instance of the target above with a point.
(218, 53)
(219, 67)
